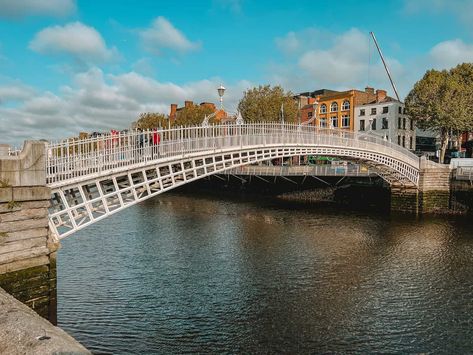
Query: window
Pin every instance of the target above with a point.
(373, 111)
(399, 140)
(346, 105)
(345, 121)
(404, 141)
(400, 109)
(334, 122)
(309, 114)
(334, 107)
(412, 124)
(362, 125)
(404, 111)
(410, 143)
(362, 112)
(373, 125)
(399, 122)
(323, 122)
(385, 123)
(385, 109)
(323, 108)
(404, 123)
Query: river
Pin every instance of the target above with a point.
(181, 274)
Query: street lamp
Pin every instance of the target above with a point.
(221, 91)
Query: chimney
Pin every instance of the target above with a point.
(369, 90)
(172, 114)
(380, 95)
(311, 100)
(188, 104)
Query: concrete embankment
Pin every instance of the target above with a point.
(22, 331)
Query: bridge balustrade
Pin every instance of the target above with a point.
(74, 158)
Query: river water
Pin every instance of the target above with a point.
(180, 274)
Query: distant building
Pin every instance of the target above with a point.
(219, 115)
(356, 111)
(386, 117)
(330, 108)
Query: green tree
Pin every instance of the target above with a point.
(442, 101)
(150, 120)
(192, 115)
(263, 104)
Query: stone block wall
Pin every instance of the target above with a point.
(432, 194)
(27, 248)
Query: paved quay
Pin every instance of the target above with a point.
(22, 331)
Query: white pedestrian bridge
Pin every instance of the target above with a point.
(93, 178)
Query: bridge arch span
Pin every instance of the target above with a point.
(92, 179)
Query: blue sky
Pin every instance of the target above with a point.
(68, 66)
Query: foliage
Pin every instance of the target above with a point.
(263, 104)
(442, 101)
(192, 115)
(150, 120)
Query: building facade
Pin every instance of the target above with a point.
(386, 117)
(333, 109)
(359, 111)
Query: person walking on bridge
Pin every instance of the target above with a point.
(156, 141)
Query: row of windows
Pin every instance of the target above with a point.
(385, 110)
(384, 124)
(334, 107)
(401, 124)
(402, 139)
(334, 122)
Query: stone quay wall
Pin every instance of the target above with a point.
(27, 248)
(432, 194)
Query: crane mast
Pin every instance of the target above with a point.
(385, 65)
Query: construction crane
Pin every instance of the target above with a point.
(385, 65)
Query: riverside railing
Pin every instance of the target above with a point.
(74, 158)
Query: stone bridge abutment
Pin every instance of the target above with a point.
(27, 248)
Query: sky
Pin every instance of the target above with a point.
(68, 66)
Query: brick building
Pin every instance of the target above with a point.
(330, 108)
(220, 115)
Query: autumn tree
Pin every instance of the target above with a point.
(442, 101)
(263, 104)
(192, 115)
(150, 120)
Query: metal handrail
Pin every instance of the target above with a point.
(72, 158)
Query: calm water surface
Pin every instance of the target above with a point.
(192, 274)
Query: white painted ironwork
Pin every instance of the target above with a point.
(354, 170)
(96, 177)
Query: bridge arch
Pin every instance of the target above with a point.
(94, 178)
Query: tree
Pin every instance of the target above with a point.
(150, 120)
(192, 115)
(442, 101)
(263, 104)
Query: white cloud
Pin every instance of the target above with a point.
(448, 54)
(162, 35)
(21, 8)
(15, 91)
(463, 9)
(332, 61)
(75, 39)
(98, 102)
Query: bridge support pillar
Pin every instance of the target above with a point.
(27, 248)
(432, 195)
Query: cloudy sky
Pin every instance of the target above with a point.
(85, 65)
